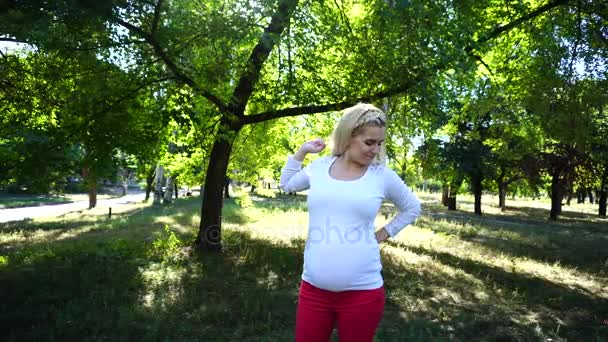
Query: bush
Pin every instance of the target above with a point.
(244, 201)
(167, 247)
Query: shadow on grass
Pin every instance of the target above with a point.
(20, 201)
(577, 245)
(181, 212)
(530, 286)
(125, 290)
(517, 307)
(31, 225)
(583, 222)
(543, 214)
(281, 202)
(69, 293)
(142, 286)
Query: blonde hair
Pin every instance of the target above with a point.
(351, 125)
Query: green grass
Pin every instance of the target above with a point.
(510, 276)
(17, 201)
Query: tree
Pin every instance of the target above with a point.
(83, 111)
(105, 112)
(441, 160)
(233, 116)
(566, 57)
(514, 140)
(32, 148)
(598, 156)
(309, 57)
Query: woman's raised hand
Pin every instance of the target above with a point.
(313, 146)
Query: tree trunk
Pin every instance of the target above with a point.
(477, 189)
(252, 188)
(591, 200)
(92, 194)
(92, 189)
(452, 202)
(91, 183)
(210, 234)
(176, 188)
(602, 201)
(159, 185)
(580, 197)
(603, 192)
(149, 181)
(502, 199)
(168, 196)
(445, 196)
(556, 197)
(502, 196)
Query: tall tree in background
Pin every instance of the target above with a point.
(33, 150)
(76, 104)
(598, 155)
(258, 61)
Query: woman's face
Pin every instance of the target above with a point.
(363, 148)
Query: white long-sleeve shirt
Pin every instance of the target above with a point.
(341, 251)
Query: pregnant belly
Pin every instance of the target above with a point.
(341, 267)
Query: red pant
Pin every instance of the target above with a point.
(356, 312)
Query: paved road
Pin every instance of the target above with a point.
(16, 214)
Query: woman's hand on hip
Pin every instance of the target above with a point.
(381, 235)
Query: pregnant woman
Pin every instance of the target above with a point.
(341, 281)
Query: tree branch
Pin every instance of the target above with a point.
(156, 16)
(576, 44)
(502, 29)
(480, 60)
(97, 47)
(179, 74)
(314, 109)
(260, 53)
(344, 17)
(517, 176)
(130, 94)
(295, 111)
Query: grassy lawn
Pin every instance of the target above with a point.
(510, 276)
(17, 201)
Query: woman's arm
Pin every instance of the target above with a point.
(293, 177)
(404, 199)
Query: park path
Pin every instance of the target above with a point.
(54, 210)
